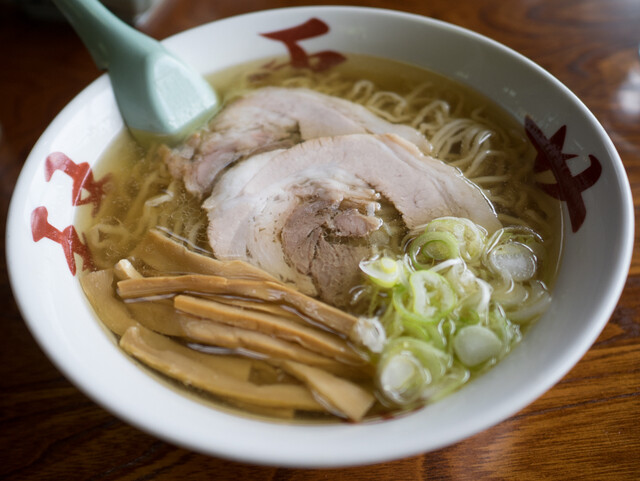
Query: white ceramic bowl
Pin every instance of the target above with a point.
(594, 264)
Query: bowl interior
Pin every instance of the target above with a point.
(586, 291)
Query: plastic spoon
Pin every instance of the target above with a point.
(158, 95)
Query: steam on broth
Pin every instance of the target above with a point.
(431, 297)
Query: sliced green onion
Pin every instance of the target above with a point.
(383, 271)
(470, 236)
(455, 377)
(537, 302)
(402, 378)
(433, 297)
(448, 264)
(510, 294)
(515, 252)
(513, 261)
(473, 293)
(474, 307)
(370, 333)
(476, 344)
(401, 299)
(433, 246)
(521, 234)
(452, 304)
(508, 332)
(421, 330)
(408, 366)
(393, 324)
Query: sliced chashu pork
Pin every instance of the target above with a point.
(304, 214)
(267, 119)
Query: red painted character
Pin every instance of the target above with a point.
(68, 239)
(568, 187)
(82, 177)
(299, 57)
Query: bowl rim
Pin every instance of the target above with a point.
(272, 456)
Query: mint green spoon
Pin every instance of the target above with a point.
(158, 95)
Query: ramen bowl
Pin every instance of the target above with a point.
(45, 253)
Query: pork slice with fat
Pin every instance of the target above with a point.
(270, 118)
(305, 214)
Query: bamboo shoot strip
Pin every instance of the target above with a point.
(269, 291)
(158, 315)
(98, 287)
(268, 411)
(124, 269)
(346, 397)
(257, 305)
(216, 334)
(166, 255)
(190, 367)
(309, 337)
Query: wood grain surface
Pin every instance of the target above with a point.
(586, 427)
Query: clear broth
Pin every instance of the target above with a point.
(132, 171)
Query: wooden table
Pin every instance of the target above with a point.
(586, 427)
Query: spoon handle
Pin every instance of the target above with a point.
(159, 96)
(107, 38)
